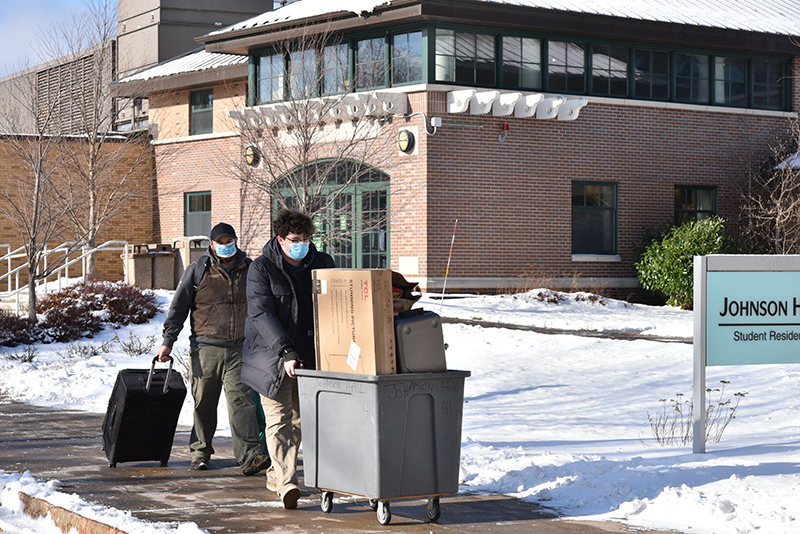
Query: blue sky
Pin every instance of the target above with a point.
(20, 20)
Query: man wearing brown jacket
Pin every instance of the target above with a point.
(212, 292)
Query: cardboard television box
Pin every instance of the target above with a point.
(354, 321)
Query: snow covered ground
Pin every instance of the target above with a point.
(561, 420)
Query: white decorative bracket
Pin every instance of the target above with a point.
(458, 101)
(481, 103)
(570, 109)
(393, 103)
(505, 103)
(526, 107)
(548, 109)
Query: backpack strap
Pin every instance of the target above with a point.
(199, 271)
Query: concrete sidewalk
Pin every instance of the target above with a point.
(66, 446)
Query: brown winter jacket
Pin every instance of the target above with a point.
(218, 304)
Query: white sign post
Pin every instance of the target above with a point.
(746, 312)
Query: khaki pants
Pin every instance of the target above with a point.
(283, 434)
(212, 369)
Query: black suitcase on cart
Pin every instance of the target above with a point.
(142, 415)
(419, 342)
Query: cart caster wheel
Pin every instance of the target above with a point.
(373, 503)
(112, 465)
(326, 501)
(164, 463)
(384, 513)
(434, 509)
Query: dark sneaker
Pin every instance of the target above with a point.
(290, 497)
(200, 463)
(257, 463)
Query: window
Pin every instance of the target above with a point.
(407, 58)
(352, 210)
(201, 112)
(270, 78)
(335, 69)
(371, 63)
(651, 74)
(465, 57)
(198, 213)
(691, 78)
(522, 62)
(303, 77)
(610, 70)
(566, 67)
(594, 218)
(768, 85)
(730, 81)
(694, 203)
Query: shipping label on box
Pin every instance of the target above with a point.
(354, 321)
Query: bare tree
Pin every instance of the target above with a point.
(107, 171)
(317, 136)
(771, 199)
(30, 195)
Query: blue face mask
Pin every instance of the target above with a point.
(226, 251)
(298, 251)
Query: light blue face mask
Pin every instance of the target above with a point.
(226, 251)
(298, 251)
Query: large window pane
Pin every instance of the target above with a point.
(335, 69)
(198, 213)
(566, 67)
(651, 74)
(768, 90)
(691, 78)
(407, 58)
(730, 81)
(303, 74)
(270, 78)
(522, 63)
(371, 63)
(594, 218)
(694, 203)
(201, 112)
(610, 70)
(465, 57)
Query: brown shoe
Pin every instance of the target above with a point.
(257, 463)
(290, 497)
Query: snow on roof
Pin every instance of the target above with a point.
(303, 9)
(765, 16)
(195, 61)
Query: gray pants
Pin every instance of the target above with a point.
(212, 369)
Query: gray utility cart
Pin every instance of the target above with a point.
(383, 437)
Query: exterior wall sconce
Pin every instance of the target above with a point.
(405, 141)
(252, 156)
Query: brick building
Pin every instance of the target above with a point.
(554, 136)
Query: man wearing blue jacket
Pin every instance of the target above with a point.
(279, 338)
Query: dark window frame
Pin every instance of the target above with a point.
(201, 115)
(193, 201)
(586, 208)
(684, 213)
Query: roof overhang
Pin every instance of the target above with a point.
(508, 16)
(180, 81)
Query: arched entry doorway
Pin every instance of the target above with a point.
(349, 202)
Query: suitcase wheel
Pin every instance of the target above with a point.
(112, 464)
(163, 463)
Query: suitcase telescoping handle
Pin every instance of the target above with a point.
(153, 370)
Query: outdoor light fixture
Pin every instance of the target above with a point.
(405, 141)
(503, 133)
(252, 156)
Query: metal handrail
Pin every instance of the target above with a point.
(65, 268)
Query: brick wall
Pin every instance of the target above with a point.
(133, 221)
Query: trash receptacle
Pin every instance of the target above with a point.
(187, 249)
(163, 266)
(382, 437)
(139, 267)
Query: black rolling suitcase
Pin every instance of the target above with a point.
(142, 415)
